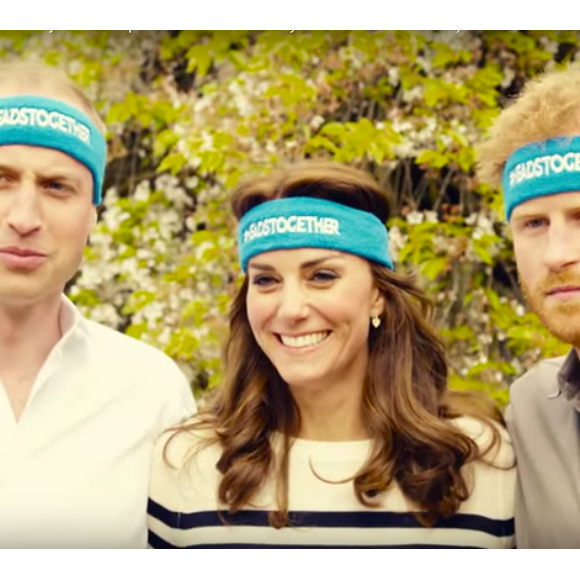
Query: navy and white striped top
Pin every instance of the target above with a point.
(183, 508)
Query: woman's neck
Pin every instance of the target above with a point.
(330, 414)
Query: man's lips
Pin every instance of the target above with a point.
(562, 290)
(22, 252)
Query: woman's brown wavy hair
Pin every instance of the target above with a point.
(406, 402)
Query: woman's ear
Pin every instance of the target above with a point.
(378, 303)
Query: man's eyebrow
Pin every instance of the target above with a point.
(7, 168)
(528, 215)
(58, 177)
(52, 174)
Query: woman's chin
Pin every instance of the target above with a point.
(304, 381)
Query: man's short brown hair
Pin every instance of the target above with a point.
(548, 106)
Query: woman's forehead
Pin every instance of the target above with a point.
(300, 258)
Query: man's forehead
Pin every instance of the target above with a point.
(548, 203)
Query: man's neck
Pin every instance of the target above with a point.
(31, 329)
(27, 336)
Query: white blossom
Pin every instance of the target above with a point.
(414, 94)
(105, 314)
(316, 122)
(202, 248)
(114, 217)
(415, 217)
(142, 191)
(508, 77)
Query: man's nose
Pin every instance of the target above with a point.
(24, 212)
(563, 247)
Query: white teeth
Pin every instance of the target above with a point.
(304, 340)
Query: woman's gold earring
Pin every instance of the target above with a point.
(376, 321)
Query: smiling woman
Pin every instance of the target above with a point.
(334, 426)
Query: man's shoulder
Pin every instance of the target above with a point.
(139, 370)
(116, 345)
(540, 380)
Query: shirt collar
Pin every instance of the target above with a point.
(69, 317)
(569, 378)
(71, 326)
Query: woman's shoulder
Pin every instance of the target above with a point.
(182, 475)
(181, 455)
(491, 437)
(176, 446)
(492, 477)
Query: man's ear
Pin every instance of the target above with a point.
(92, 222)
(93, 218)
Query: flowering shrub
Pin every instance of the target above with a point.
(190, 112)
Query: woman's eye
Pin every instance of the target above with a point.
(262, 280)
(324, 276)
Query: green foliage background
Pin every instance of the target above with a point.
(190, 112)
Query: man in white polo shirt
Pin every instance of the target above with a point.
(80, 404)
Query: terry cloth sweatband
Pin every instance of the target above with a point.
(541, 168)
(43, 122)
(306, 222)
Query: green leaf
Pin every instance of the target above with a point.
(443, 56)
(479, 368)
(211, 161)
(333, 129)
(172, 163)
(320, 142)
(199, 60)
(568, 37)
(488, 77)
(460, 383)
(238, 59)
(434, 267)
(540, 55)
(482, 253)
(434, 94)
(465, 159)
(164, 140)
(136, 330)
(375, 152)
(432, 159)
(118, 113)
(459, 333)
(467, 298)
(187, 38)
(52, 57)
(492, 298)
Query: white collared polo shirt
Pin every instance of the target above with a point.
(74, 470)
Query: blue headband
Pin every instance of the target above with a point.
(541, 168)
(43, 122)
(307, 222)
